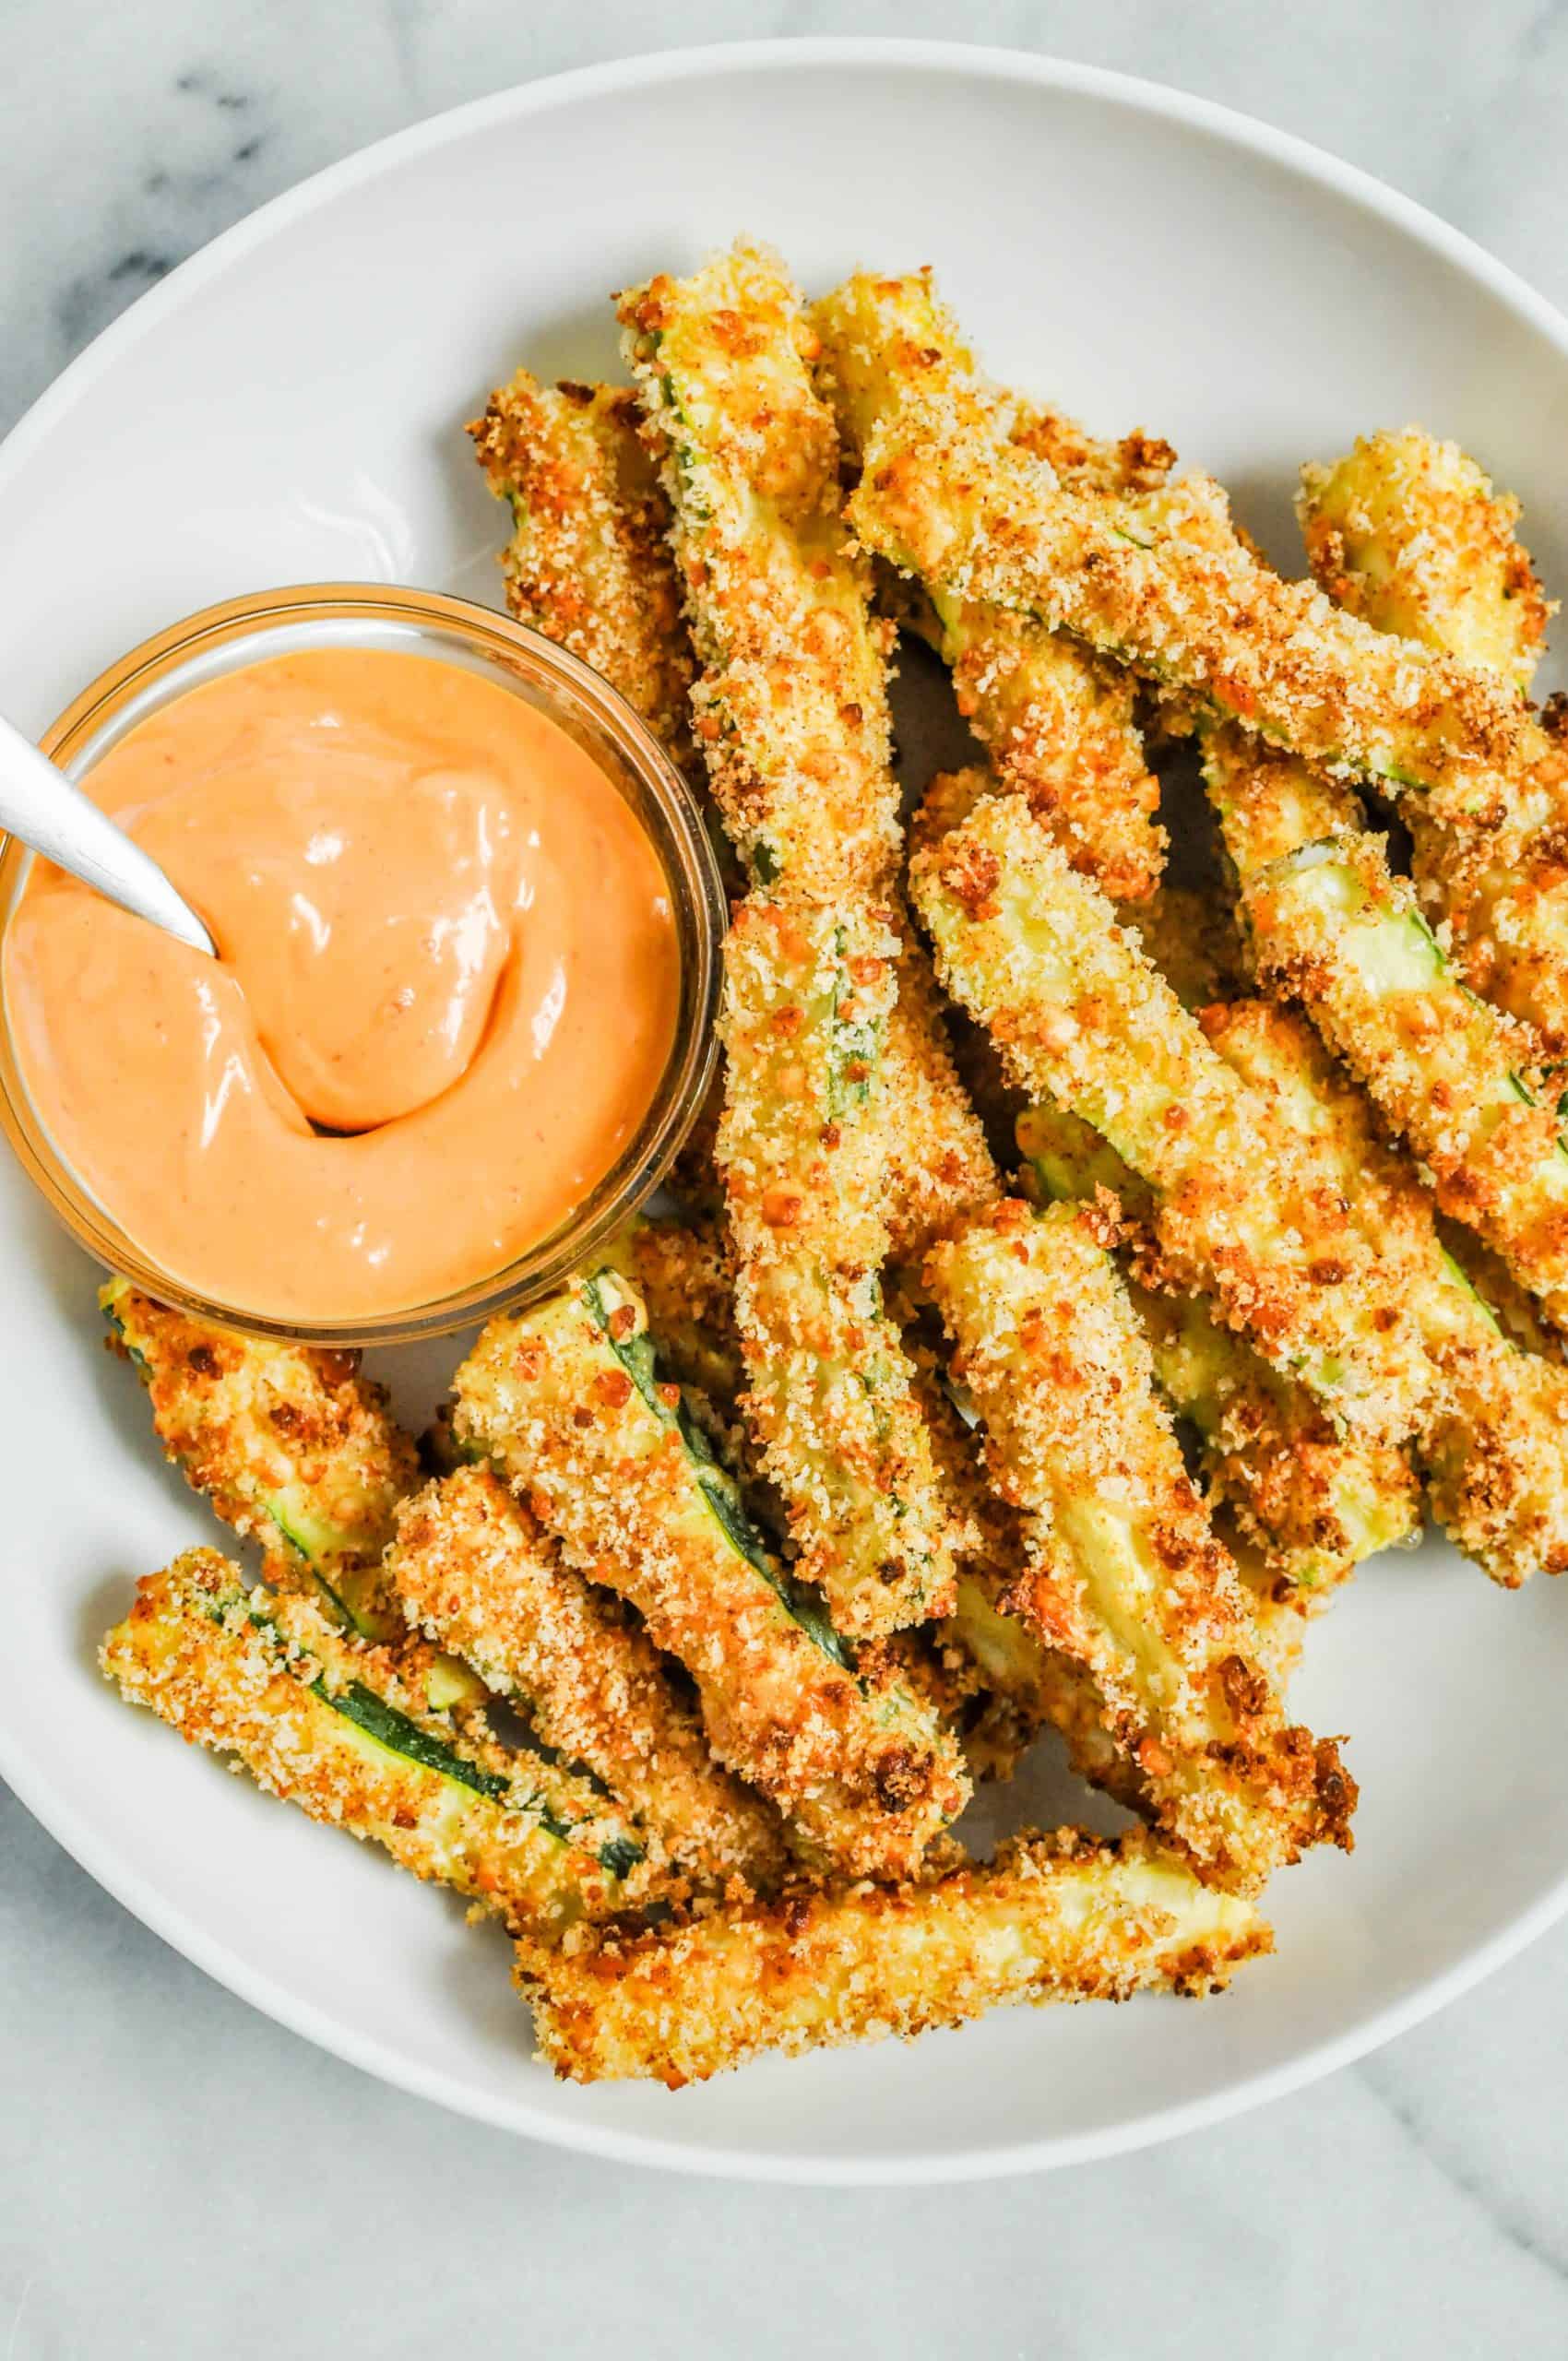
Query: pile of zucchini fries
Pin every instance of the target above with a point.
(1058, 1396)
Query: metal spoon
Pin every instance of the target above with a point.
(50, 812)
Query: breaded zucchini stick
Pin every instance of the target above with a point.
(1493, 1440)
(344, 1731)
(791, 708)
(808, 995)
(1058, 724)
(292, 1447)
(566, 1402)
(1081, 1017)
(984, 1648)
(682, 1272)
(1125, 1574)
(1461, 1081)
(940, 1168)
(793, 713)
(1311, 1504)
(1406, 532)
(475, 1571)
(945, 495)
(1053, 1917)
(589, 564)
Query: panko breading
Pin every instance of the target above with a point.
(589, 564)
(802, 1144)
(1053, 1917)
(566, 1402)
(791, 707)
(1081, 1017)
(1124, 1570)
(940, 1168)
(1192, 939)
(946, 494)
(345, 1732)
(1463, 1083)
(682, 1272)
(1058, 724)
(1493, 1439)
(1004, 1683)
(291, 1446)
(1311, 1503)
(473, 1569)
(793, 713)
(1406, 532)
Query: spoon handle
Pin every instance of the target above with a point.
(50, 812)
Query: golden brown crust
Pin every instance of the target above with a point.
(1081, 1016)
(291, 1446)
(1123, 1573)
(250, 1680)
(867, 1780)
(477, 1574)
(947, 495)
(803, 1142)
(1059, 725)
(1494, 1436)
(589, 564)
(791, 707)
(940, 1168)
(1406, 532)
(1057, 1917)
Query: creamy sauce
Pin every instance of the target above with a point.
(444, 995)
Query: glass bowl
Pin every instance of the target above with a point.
(277, 622)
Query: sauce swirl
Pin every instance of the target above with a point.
(445, 997)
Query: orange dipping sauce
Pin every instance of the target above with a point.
(445, 997)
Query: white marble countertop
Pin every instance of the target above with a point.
(177, 2174)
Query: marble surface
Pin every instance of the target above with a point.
(180, 2177)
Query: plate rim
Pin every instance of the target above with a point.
(30, 1782)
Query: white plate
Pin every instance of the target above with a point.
(289, 406)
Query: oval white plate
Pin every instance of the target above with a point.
(289, 406)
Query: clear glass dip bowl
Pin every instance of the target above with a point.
(277, 622)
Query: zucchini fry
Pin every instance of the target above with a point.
(682, 1272)
(1462, 1082)
(791, 708)
(293, 1448)
(1081, 1017)
(985, 1649)
(1407, 533)
(945, 495)
(940, 1168)
(1494, 1438)
(566, 1402)
(808, 995)
(475, 1571)
(793, 713)
(1001, 1657)
(1058, 724)
(1052, 1918)
(589, 564)
(345, 1732)
(1310, 1505)
(1125, 1574)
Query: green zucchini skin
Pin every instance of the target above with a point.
(342, 1731)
